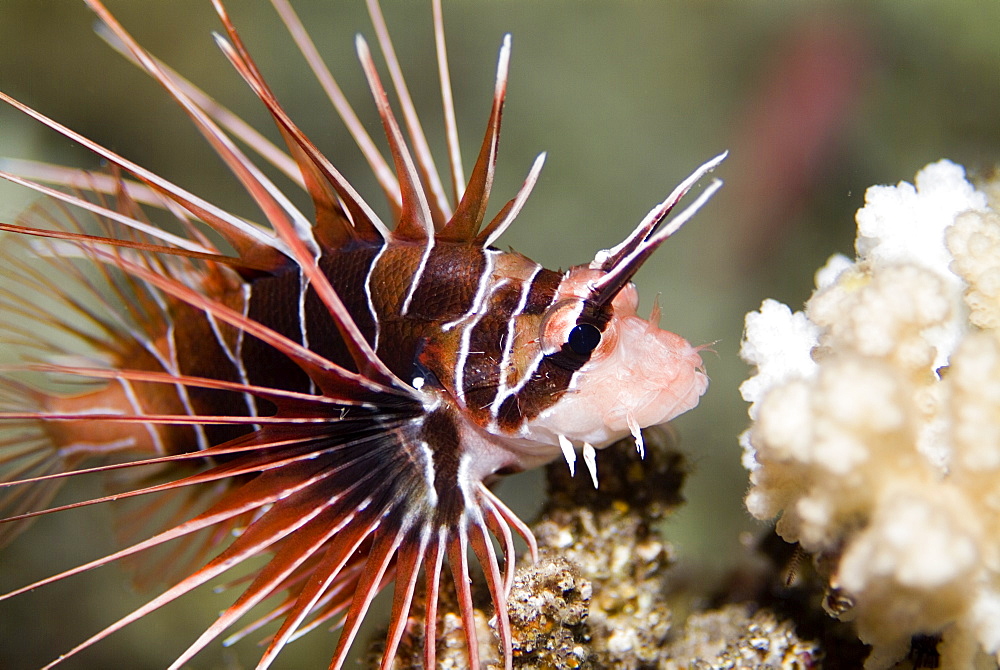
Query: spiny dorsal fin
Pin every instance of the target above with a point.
(380, 168)
(254, 245)
(333, 224)
(509, 212)
(448, 105)
(415, 221)
(429, 179)
(464, 224)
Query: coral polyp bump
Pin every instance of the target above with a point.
(330, 391)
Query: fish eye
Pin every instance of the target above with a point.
(584, 338)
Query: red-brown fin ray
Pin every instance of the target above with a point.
(227, 449)
(88, 181)
(289, 403)
(383, 552)
(332, 602)
(277, 480)
(236, 263)
(508, 515)
(623, 261)
(448, 105)
(257, 461)
(367, 225)
(250, 241)
(468, 217)
(458, 561)
(495, 522)
(488, 235)
(324, 577)
(333, 225)
(409, 561)
(380, 168)
(361, 351)
(277, 208)
(432, 579)
(415, 222)
(131, 222)
(314, 519)
(440, 209)
(334, 380)
(21, 305)
(257, 537)
(482, 547)
(236, 126)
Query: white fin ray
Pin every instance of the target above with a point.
(422, 151)
(383, 173)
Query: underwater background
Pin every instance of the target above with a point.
(815, 101)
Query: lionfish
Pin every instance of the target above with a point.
(334, 393)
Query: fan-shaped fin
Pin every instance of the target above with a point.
(324, 575)
(257, 537)
(468, 217)
(386, 541)
(314, 518)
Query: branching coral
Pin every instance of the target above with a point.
(876, 420)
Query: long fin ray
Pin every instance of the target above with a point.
(299, 512)
(332, 378)
(448, 105)
(415, 220)
(468, 217)
(236, 126)
(247, 545)
(333, 224)
(458, 560)
(278, 209)
(249, 240)
(408, 563)
(430, 180)
(152, 231)
(383, 173)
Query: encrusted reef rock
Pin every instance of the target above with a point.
(599, 597)
(608, 534)
(731, 637)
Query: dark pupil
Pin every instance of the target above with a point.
(584, 338)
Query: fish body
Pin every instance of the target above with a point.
(347, 390)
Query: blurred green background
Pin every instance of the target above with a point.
(816, 101)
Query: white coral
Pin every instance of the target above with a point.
(876, 433)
